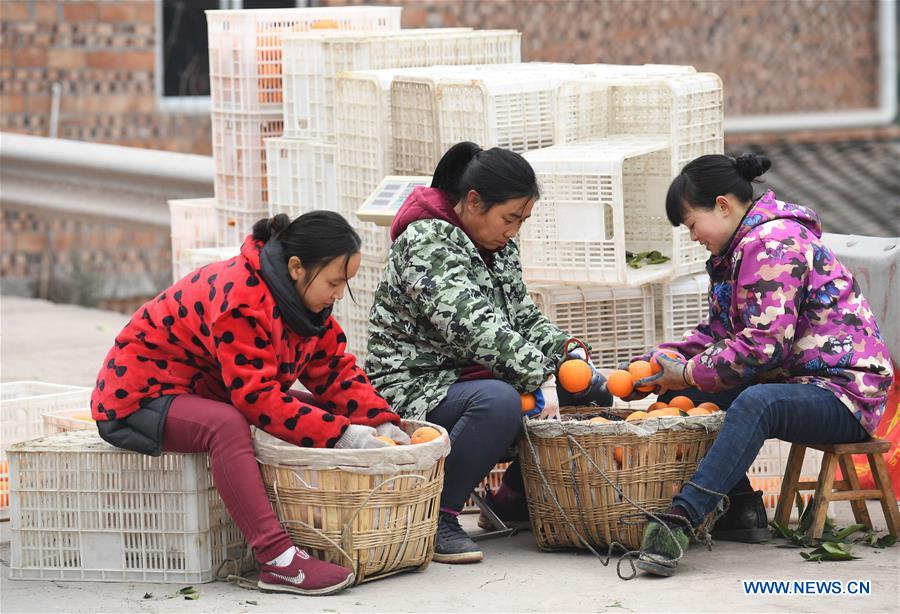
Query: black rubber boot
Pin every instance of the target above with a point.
(745, 521)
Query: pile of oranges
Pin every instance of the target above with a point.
(678, 406)
(420, 435)
(621, 382)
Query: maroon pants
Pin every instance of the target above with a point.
(195, 424)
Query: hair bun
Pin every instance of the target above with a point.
(269, 228)
(750, 166)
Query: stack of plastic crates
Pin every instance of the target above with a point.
(507, 105)
(245, 57)
(193, 225)
(312, 62)
(82, 509)
(192, 259)
(22, 405)
(301, 176)
(353, 313)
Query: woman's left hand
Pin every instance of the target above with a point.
(672, 375)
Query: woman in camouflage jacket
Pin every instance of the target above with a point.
(453, 334)
(790, 347)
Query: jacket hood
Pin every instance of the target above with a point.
(268, 260)
(764, 210)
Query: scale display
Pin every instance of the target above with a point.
(385, 200)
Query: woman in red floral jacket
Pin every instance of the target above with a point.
(220, 349)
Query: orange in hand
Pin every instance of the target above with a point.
(682, 402)
(640, 369)
(620, 383)
(528, 402)
(575, 375)
(423, 434)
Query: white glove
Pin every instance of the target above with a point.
(359, 436)
(391, 431)
(551, 400)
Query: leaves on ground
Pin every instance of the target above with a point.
(636, 261)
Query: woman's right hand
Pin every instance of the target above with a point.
(359, 436)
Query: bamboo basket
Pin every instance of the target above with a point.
(578, 474)
(374, 511)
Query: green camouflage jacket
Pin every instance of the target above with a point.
(440, 308)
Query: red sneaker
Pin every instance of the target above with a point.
(304, 575)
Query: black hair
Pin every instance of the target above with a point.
(496, 174)
(706, 177)
(316, 238)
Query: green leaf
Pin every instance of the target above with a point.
(148, 595)
(798, 502)
(782, 530)
(806, 518)
(811, 557)
(885, 542)
(192, 596)
(847, 531)
(248, 602)
(836, 548)
(187, 590)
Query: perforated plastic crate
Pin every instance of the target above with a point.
(767, 471)
(193, 225)
(234, 224)
(681, 304)
(192, 259)
(21, 407)
(313, 60)
(60, 421)
(245, 48)
(599, 199)
(616, 322)
(82, 509)
(239, 156)
(506, 105)
(301, 176)
(669, 101)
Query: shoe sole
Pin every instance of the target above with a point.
(745, 536)
(657, 569)
(461, 558)
(484, 523)
(284, 588)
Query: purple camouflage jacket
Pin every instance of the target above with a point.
(783, 309)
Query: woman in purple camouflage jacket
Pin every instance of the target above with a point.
(789, 348)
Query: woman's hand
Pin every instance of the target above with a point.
(392, 432)
(672, 375)
(358, 436)
(551, 400)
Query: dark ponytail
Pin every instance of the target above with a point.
(316, 238)
(496, 174)
(707, 177)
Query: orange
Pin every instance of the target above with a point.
(528, 402)
(386, 439)
(698, 411)
(619, 456)
(665, 411)
(575, 375)
(640, 369)
(712, 407)
(620, 383)
(679, 452)
(423, 434)
(324, 24)
(673, 355)
(682, 402)
(599, 420)
(657, 405)
(637, 416)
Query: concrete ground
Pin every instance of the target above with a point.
(66, 344)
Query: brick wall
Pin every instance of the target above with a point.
(84, 260)
(775, 56)
(102, 55)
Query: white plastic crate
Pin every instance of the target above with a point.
(301, 176)
(599, 199)
(767, 472)
(353, 315)
(313, 60)
(682, 106)
(506, 105)
(239, 156)
(618, 323)
(193, 225)
(63, 420)
(245, 48)
(192, 259)
(84, 510)
(681, 305)
(234, 224)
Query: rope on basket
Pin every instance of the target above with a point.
(700, 534)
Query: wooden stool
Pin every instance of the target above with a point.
(848, 489)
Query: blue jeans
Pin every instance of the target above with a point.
(790, 412)
(484, 418)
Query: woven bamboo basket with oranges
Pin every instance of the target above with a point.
(374, 510)
(583, 478)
